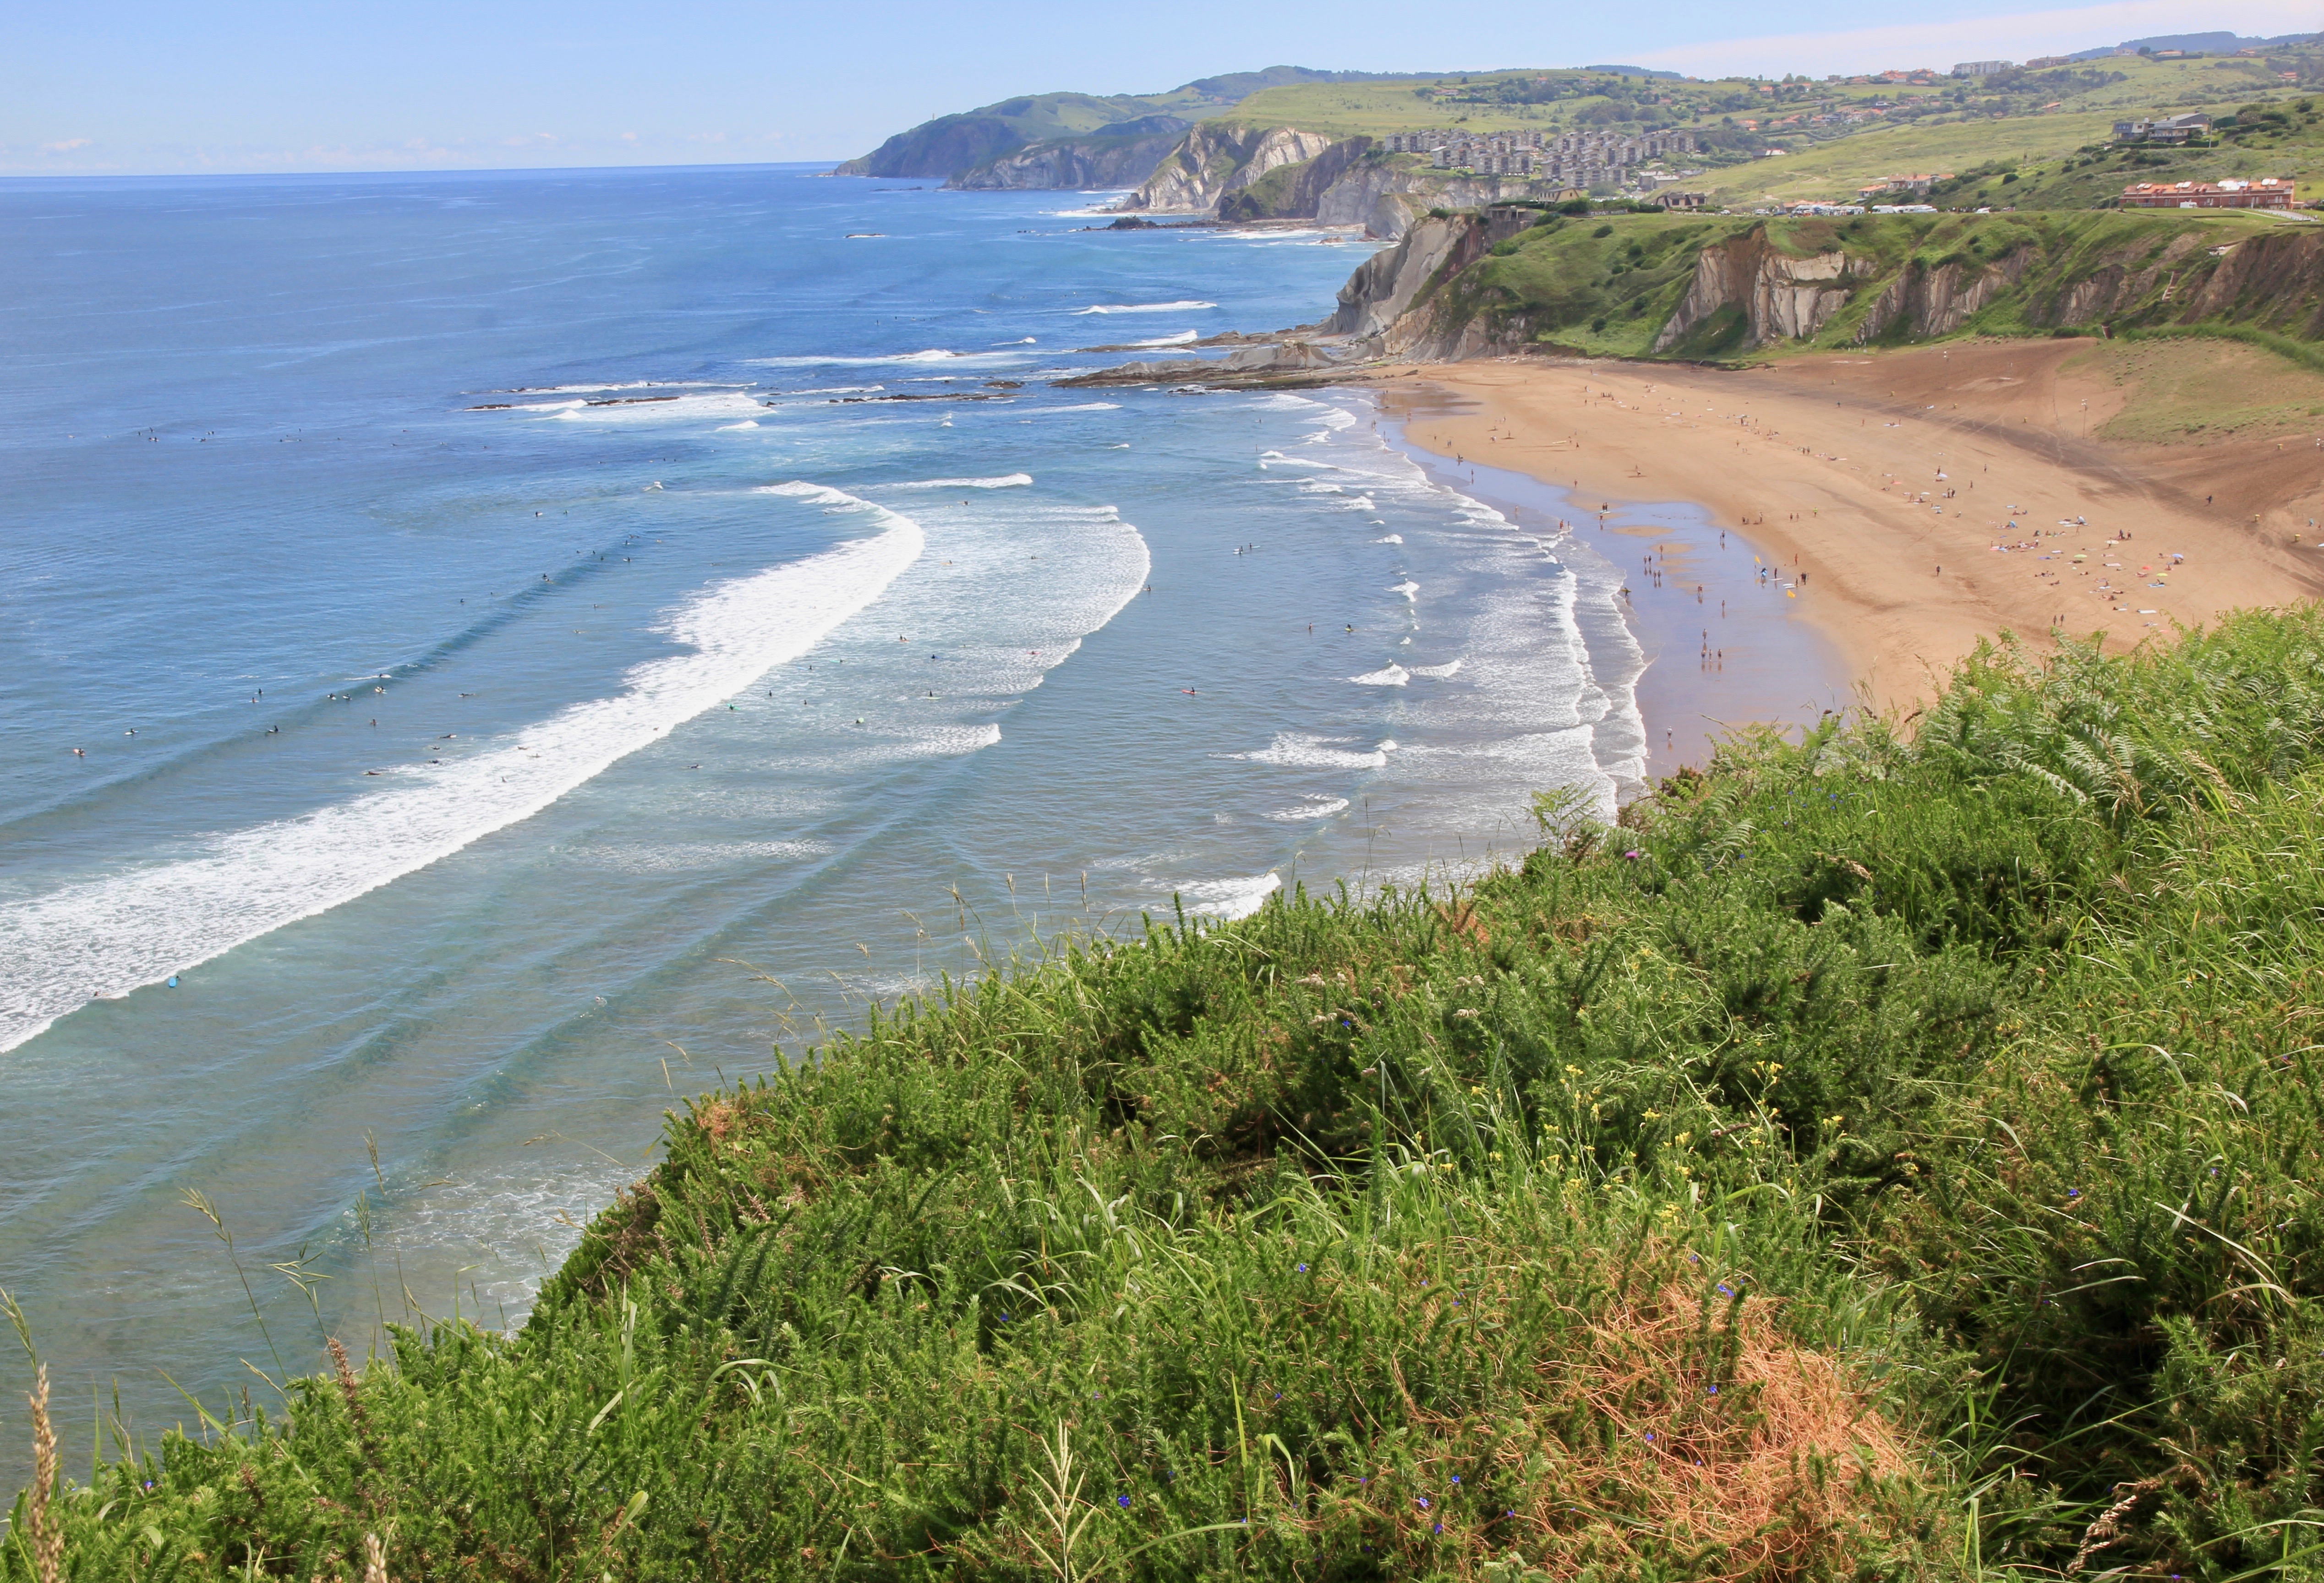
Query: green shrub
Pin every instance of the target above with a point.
(1872, 1157)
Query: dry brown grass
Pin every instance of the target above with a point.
(1722, 1440)
(48, 1533)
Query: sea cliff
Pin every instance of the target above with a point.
(1120, 156)
(1246, 173)
(1707, 288)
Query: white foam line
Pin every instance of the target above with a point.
(109, 935)
(635, 384)
(1142, 307)
(1294, 750)
(1013, 481)
(933, 355)
(1316, 810)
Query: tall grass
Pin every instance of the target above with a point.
(1873, 1157)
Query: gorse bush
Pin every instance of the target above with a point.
(1875, 1156)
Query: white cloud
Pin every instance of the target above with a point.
(1938, 43)
(66, 147)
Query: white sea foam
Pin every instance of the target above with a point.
(1452, 667)
(678, 409)
(1012, 481)
(1180, 339)
(1142, 307)
(1229, 899)
(1297, 750)
(1083, 407)
(1391, 538)
(933, 355)
(731, 427)
(1409, 588)
(682, 856)
(634, 384)
(1314, 808)
(109, 935)
(949, 742)
(837, 391)
(1026, 341)
(1387, 675)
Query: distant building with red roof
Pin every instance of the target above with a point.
(2267, 192)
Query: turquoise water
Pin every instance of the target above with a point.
(529, 659)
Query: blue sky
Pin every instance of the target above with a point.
(341, 85)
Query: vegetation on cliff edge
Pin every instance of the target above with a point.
(1609, 284)
(1874, 1157)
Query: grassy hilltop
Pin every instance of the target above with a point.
(1873, 1158)
(1783, 141)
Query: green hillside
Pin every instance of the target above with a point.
(950, 144)
(1872, 1159)
(1609, 284)
(1796, 140)
(1764, 142)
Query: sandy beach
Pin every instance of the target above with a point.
(1918, 501)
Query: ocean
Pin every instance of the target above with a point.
(485, 657)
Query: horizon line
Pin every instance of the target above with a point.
(8, 176)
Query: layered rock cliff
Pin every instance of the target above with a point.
(1383, 194)
(1382, 305)
(1294, 191)
(1280, 173)
(1707, 287)
(1782, 298)
(1214, 160)
(1699, 287)
(1118, 157)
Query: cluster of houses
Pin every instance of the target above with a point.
(2268, 192)
(1915, 183)
(1582, 159)
(1918, 77)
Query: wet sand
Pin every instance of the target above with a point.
(1918, 501)
(1724, 648)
